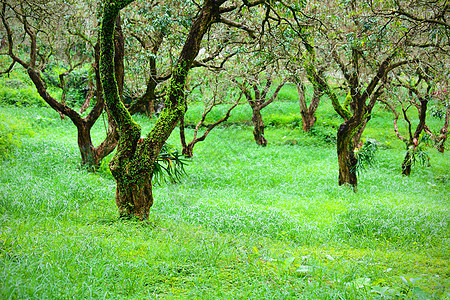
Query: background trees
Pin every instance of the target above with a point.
(216, 90)
(51, 37)
(354, 47)
(216, 233)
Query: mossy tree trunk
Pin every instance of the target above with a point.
(133, 163)
(355, 111)
(407, 163)
(346, 156)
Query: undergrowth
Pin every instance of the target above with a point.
(245, 223)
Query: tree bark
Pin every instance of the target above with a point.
(188, 151)
(258, 127)
(406, 165)
(309, 113)
(346, 157)
(89, 157)
(134, 198)
(146, 104)
(308, 120)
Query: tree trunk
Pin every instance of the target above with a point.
(92, 156)
(406, 165)
(133, 163)
(308, 120)
(87, 101)
(309, 114)
(89, 157)
(134, 197)
(346, 156)
(358, 134)
(258, 130)
(188, 151)
(146, 104)
(441, 146)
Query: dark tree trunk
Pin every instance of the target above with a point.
(146, 104)
(414, 138)
(258, 124)
(346, 157)
(406, 165)
(89, 156)
(308, 120)
(188, 151)
(360, 131)
(441, 146)
(308, 114)
(187, 148)
(87, 100)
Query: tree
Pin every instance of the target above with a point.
(44, 37)
(256, 93)
(308, 113)
(294, 32)
(217, 92)
(133, 163)
(441, 111)
(364, 51)
(418, 87)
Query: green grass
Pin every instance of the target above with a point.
(246, 223)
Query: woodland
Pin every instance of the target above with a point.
(213, 149)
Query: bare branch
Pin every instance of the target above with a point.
(251, 32)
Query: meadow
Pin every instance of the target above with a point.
(246, 222)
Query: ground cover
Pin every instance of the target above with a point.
(247, 222)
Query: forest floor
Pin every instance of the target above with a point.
(245, 223)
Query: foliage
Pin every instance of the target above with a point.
(326, 134)
(76, 82)
(169, 166)
(16, 90)
(418, 154)
(366, 155)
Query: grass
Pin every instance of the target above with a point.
(246, 223)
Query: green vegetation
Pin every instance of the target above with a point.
(245, 223)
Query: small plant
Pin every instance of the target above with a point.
(366, 155)
(417, 153)
(169, 166)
